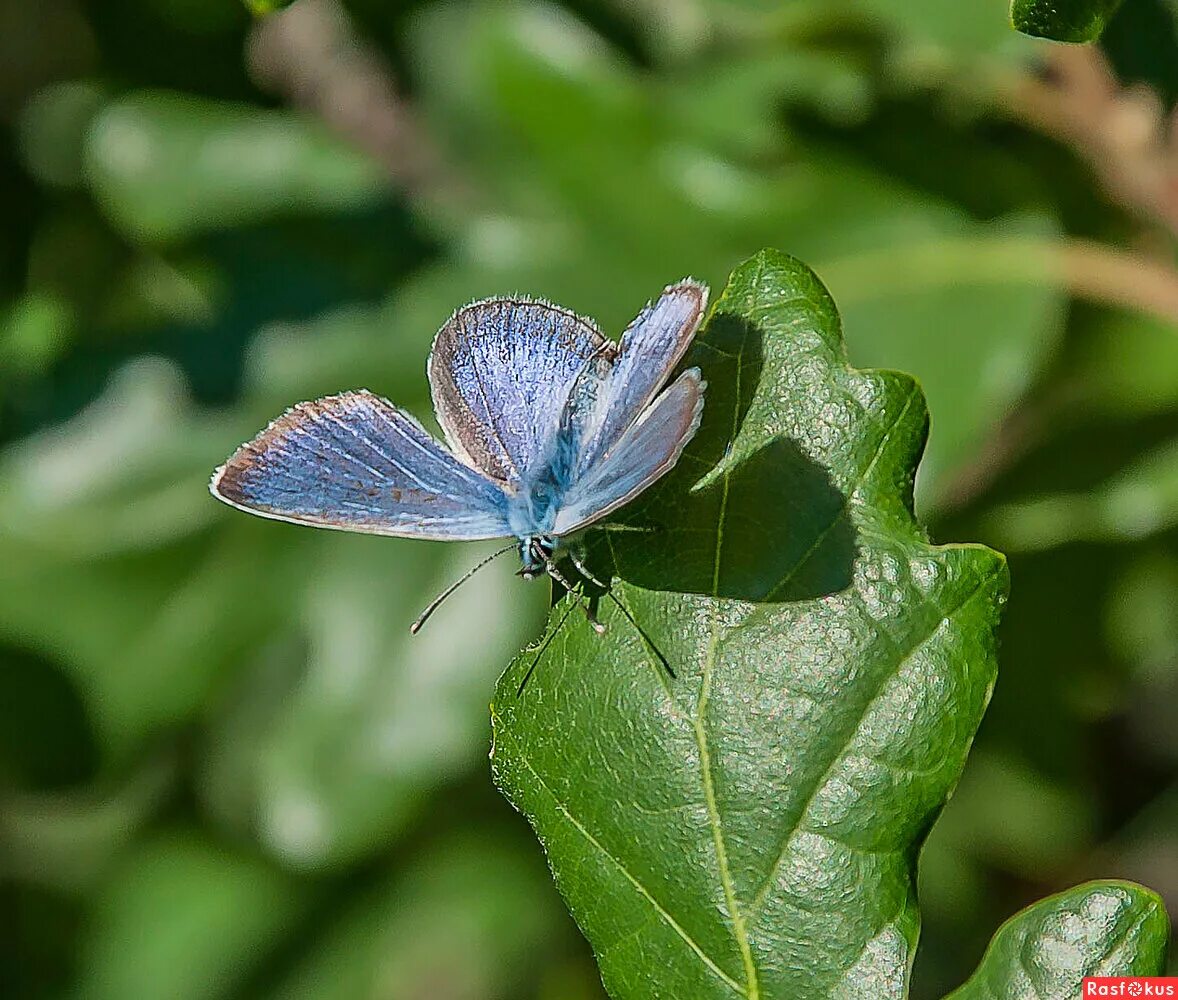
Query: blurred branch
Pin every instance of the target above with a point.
(1131, 145)
(1087, 269)
(1123, 133)
(1112, 276)
(312, 55)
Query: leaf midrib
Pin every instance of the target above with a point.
(739, 932)
(1123, 936)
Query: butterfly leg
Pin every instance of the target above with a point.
(579, 563)
(559, 577)
(584, 571)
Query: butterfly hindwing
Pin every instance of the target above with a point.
(646, 451)
(357, 463)
(500, 372)
(650, 348)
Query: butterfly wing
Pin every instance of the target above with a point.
(647, 450)
(500, 371)
(650, 348)
(355, 462)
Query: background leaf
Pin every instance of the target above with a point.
(1139, 500)
(1097, 929)
(207, 916)
(166, 164)
(1063, 20)
(266, 6)
(399, 941)
(750, 827)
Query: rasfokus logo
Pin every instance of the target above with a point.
(1130, 986)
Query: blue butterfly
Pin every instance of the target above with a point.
(551, 427)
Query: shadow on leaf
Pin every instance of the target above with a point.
(773, 528)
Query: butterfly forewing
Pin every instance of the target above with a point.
(500, 372)
(647, 450)
(357, 463)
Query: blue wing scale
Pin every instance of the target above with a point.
(551, 427)
(355, 462)
(500, 371)
(650, 348)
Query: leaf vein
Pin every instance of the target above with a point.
(739, 931)
(845, 508)
(845, 741)
(669, 920)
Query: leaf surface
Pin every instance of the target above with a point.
(749, 828)
(1063, 20)
(1097, 929)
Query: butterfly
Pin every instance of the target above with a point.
(550, 427)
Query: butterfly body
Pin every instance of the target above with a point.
(549, 428)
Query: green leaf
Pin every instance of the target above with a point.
(1125, 364)
(166, 165)
(263, 7)
(34, 332)
(68, 840)
(749, 828)
(479, 896)
(1140, 500)
(966, 29)
(187, 920)
(1097, 929)
(1143, 628)
(990, 284)
(1063, 20)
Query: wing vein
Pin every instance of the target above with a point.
(481, 386)
(301, 438)
(332, 418)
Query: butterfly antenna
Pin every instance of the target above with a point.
(547, 642)
(642, 632)
(437, 601)
(559, 577)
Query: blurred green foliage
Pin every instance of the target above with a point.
(225, 769)
(266, 6)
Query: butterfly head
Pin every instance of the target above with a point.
(536, 553)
